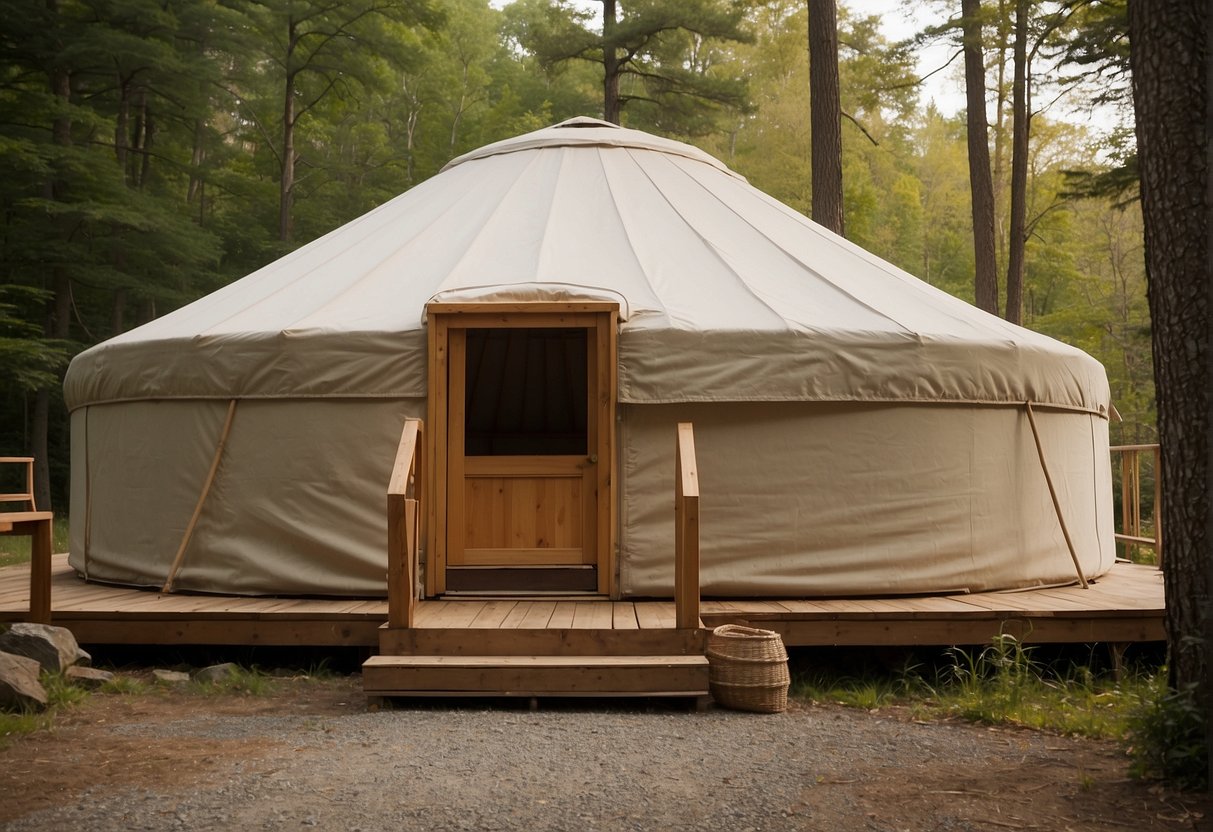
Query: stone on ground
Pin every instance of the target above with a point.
(216, 672)
(19, 685)
(54, 648)
(88, 677)
(171, 677)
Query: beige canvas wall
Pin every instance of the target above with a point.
(297, 505)
(805, 499)
(799, 499)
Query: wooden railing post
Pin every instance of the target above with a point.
(41, 547)
(1130, 499)
(686, 530)
(1158, 504)
(403, 526)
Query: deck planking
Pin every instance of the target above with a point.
(1126, 605)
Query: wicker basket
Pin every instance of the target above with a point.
(748, 669)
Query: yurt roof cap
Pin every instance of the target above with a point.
(584, 131)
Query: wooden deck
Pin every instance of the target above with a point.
(1122, 607)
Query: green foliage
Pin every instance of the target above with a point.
(1167, 738)
(240, 680)
(672, 58)
(32, 360)
(1001, 684)
(61, 692)
(124, 685)
(13, 725)
(869, 691)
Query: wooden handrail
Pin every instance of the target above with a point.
(686, 530)
(403, 525)
(1130, 497)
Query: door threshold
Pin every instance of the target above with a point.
(521, 595)
(523, 581)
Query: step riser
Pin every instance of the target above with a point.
(512, 681)
(493, 642)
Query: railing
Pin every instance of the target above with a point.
(686, 530)
(404, 526)
(1130, 498)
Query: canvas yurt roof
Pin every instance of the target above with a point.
(725, 294)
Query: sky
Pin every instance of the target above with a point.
(899, 21)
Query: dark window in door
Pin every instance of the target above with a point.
(526, 392)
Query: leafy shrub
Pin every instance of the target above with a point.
(1167, 738)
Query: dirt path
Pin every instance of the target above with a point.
(310, 756)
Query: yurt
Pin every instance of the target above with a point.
(551, 306)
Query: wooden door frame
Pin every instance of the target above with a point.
(601, 319)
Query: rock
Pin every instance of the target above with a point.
(216, 673)
(19, 685)
(54, 648)
(88, 677)
(170, 677)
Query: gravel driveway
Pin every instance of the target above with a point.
(306, 760)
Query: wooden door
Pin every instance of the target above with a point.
(527, 441)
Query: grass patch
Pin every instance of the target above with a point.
(1002, 684)
(19, 723)
(15, 550)
(239, 680)
(125, 686)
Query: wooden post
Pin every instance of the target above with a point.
(41, 545)
(1065, 531)
(686, 530)
(403, 527)
(1158, 504)
(1124, 501)
(397, 596)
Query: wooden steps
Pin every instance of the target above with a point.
(386, 676)
(537, 662)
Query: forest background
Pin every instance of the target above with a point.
(152, 151)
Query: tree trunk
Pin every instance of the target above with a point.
(825, 115)
(1002, 32)
(610, 64)
(149, 138)
(58, 318)
(286, 179)
(122, 128)
(1020, 115)
(118, 312)
(197, 156)
(981, 187)
(1169, 59)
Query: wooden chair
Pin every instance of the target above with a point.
(37, 526)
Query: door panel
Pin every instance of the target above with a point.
(527, 517)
